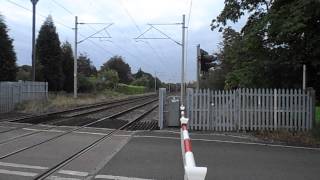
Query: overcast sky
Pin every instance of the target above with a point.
(130, 18)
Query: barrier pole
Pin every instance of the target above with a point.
(191, 171)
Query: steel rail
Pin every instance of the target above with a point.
(68, 118)
(77, 128)
(73, 110)
(70, 110)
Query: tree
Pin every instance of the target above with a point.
(8, 67)
(24, 73)
(142, 81)
(123, 69)
(49, 57)
(277, 39)
(85, 66)
(108, 77)
(145, 79)
(67, 66)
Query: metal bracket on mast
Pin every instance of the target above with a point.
(152, 27)
(99, 31)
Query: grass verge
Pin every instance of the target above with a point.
(310, 138)
(130, 89)
(61, 101)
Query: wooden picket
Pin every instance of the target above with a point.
(250, 109)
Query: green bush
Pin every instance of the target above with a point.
(130, 89)
(85, 84)
(318, 115)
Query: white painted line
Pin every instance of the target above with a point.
(232, 142)
(66, 172)
(60, 131)
(118, 177)
(91, 133)
(73, 173)
(22, 166)
(17, 173)
(205, 134)
(123, 135)
(60, 178)
(44, 130)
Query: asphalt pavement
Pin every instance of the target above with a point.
(142, 155)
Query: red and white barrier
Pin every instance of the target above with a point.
(192, 172)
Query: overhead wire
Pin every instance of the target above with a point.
(93, 42)
(119, 47)
(58, 22)
(140, 31)
(38, 14)
(86, 38)
(60, 5)
(123, 49)
(187, 34)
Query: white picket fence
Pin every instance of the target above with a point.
(251, 109)
(12, 93)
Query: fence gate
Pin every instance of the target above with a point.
(251, 109)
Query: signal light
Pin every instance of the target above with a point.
(206, 61)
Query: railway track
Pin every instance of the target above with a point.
(68, 119)
(110, 117)
(144, 109)
(124, 115)
(76, 155)
(52, 118)
(49, 114)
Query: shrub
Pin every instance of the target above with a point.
(130, 89)
(107, 79)
(85, 84)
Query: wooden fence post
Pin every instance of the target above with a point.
(313, 107)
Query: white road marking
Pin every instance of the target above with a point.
(74, 173)
(44, 130)
(22, 166)
(18, 173)
(232, 142)
(123, 135)
(60, 178)
(117, 177)
(66, 172)
(78, 132)
(205, 134)
(61, 131)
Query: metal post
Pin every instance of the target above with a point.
(155, 82)
(198, 70)
(182, 63)
(304, 77)
(75, 67)
(34, 3)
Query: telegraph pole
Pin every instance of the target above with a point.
(182, 61)
(304, 77)
(155, 82)
(198, 67)
(34, 3)
(75, 64)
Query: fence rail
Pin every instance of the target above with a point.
(12, 93)
(251, 109)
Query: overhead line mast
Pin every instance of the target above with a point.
(76, 42)
(182, 44)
